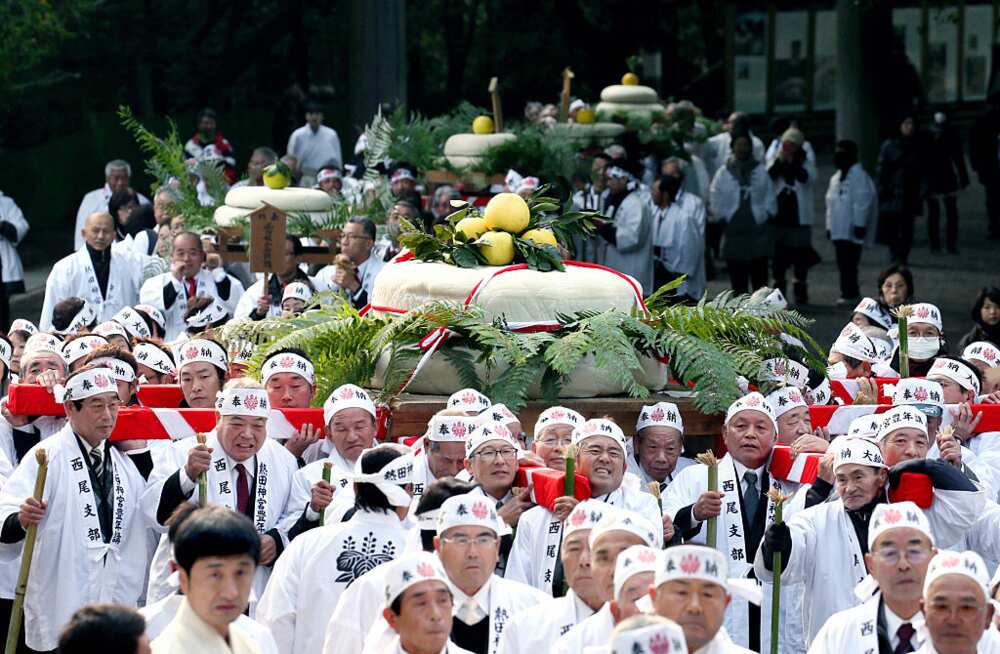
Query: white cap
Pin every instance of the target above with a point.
(470, 510)
(865, 426)
(155, 314)
(926, 313)
(347, 396)
(133, 323)
(110, 328)
(894, 516)
(967, 564)
(822, 393)
(288, 362)
(661, 414)
(853, 343)
(957, 372)
(73, 351)
(297, 291)
(692, 562)
(752, 402)
(153, 357)
(390, 479)
(201, 350)
(41, 342)
(785, 399)
(208, 316)
(83, 317)
(665, 637)
(409, 570)
(983, 351)
(785, 371)
(632, 561)
(486, 432)
(450, 429)
(600, 427)
(856, 451)
(557, 415)
(498, 413)
(250, 402)
(584, 515)
(6, 353)
(22, 325)
(875, 312)
(901, 417)
(87, 383)
(469, 399)
(918, 391)
(618, 519)
(120, 370)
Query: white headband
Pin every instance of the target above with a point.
(469, 399)
(73, 351)
(390, 479)
(410, 570)
(692, 562)
(984, 352)
(450, 429)
(617, 171)
(401, 174)
(856, 451)
(968, 564)
(6, 353)
(901, 417)
(88, 383)
(132, 322)
(895, 516)
(665, 637)
(210, 315)
(498, 413)
(874, 311)
(296, 291)
(121, 370)
(240, 351)
(600, 427)
(486, 432)
(470, 510)
(853, 343)
(347, 396)
(83, 317)
(926, 313)
(291, 363)
(154, 314)
(584, 515)
(250, 402)
(557, 415)
(917, 390)
(153, 357)
(618, 519)
(865, 426)
(661, 414)
(822, 393)
(201, 350)
(785, 371)
(957, 372)
(22, 325)
(752, 402)
(632, 561)
(110, 328)
(785, 399)
(41, 342)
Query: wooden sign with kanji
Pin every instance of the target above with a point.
(267, 239)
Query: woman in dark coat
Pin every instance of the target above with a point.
(900, 179)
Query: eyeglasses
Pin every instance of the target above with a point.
(483, 540)
(612, 453)
(555, 441)
(349, 237)
(506, 453)
(913, 555)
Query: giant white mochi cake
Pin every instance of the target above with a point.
(243, 200)
(522, 298)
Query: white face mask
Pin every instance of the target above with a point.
(837, 371)
(923, 348)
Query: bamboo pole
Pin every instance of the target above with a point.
(203, 477)
(327, 465)
(494, 90)
(567, 75)
(569, 481)
(778, 500)
(708, 459)
(14, 629)
(902, 315)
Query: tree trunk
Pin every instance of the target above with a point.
(377, 56)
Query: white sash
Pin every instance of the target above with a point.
(550, 557)
(222, 492)
(500, 614)
(93, 287)
(201, 288)
(866, 631)
(87, 503)
(735, 539)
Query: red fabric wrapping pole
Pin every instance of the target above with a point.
(160, 395)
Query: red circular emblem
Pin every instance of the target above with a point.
(690, 564)
(480, 511)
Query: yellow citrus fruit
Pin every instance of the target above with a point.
(630, 79)
(541, 236)
(507, 211)
(277, 175)
(471, 227)
(497, 248)
(482, 125)
(586, 116)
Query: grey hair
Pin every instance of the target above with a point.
(441, 190)
(682, 165)
(367, 223)
(267, 152)
(117, 164)
(167, 191)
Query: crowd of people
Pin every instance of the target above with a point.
(264, 536)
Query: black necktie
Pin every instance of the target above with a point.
(751, 496)
(904, 633)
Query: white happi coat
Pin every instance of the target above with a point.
(206, 283)
(595, 630)
(11, 269)
(72, 565)
(723, 644)
(359, 607)
(645, 480)
(632, 252)
(679, 230)
(590, 248)
(45, 425)
(95, 201)
(507, 599)
(300, 495)
(851, 201)
(538, 628)
(272, 471)
(311, 574)
(162, 613)
(827, 557)
(535, 551)
(855, 630)
(395, 647)
(367, 271)
(188, 633)
(685, 490)
(74, 276)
